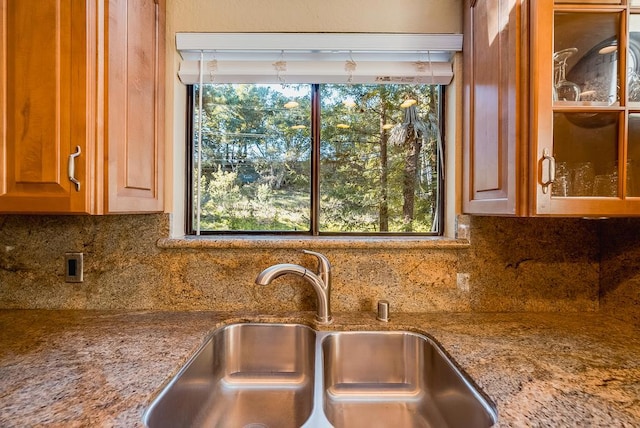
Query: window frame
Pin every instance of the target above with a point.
(316, 141)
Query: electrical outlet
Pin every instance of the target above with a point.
(73, 267)
(462, 281)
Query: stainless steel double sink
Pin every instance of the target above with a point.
(290, 375)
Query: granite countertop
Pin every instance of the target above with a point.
(96, 368)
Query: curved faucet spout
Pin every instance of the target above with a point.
(320, 283)
(269, 274)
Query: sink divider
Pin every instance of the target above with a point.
(318, 418)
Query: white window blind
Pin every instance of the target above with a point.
(317, 57)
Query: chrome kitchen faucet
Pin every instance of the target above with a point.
(321, 282)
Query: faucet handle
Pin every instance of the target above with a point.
(324, 267)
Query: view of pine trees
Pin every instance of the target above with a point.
(378, 164)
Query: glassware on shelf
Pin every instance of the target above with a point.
(582, 183)
(631, 190)
(563, 89)
(561, 184)
(633, 85)
(605, 185)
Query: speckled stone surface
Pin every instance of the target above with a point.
(620, 269)
(101, 369)
(509, 265)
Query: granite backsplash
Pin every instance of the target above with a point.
(620, 268)
(511, 264)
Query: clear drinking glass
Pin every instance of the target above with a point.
(562, 182)
(630, 179)
(605, 185)
(583, 175)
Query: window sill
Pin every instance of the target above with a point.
(317, 242)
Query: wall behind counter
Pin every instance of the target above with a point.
(510, 265)
(620, 269)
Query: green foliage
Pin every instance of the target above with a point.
(256, 159)
(230, 205)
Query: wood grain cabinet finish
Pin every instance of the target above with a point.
(495, 109)
(81, 75)
(521, 136)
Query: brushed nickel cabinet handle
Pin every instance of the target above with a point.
(552, 170)
(71, 168)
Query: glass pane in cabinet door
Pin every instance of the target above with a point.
(585, 147)
(633, 156)
(633, 60)
(585, 58)
(592, 1)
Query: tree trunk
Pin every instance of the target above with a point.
(436, 166)
(384, 176)
(413, 145)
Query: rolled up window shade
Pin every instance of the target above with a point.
(317, 58)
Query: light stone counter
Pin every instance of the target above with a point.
(91, 368)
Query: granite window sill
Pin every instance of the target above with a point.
(317, 242)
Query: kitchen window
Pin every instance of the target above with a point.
(376, 167)
(358, 153)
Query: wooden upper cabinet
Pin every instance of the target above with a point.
(135, 82)
(39, 89)
(81, 76)
(494, 107)
(587, 99)
(552, 108)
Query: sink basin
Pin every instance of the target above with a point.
(289, 375)
(396, 379)
(245, 375)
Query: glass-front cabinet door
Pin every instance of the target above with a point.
(586, 107)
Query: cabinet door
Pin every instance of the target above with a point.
(495, 110)
(135, 85)
(39, 65)
(586, 105)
